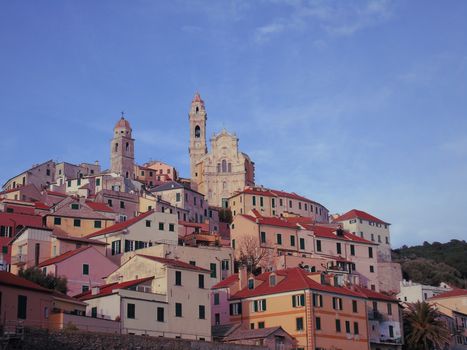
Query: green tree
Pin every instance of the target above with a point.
(423, 328)
(48, 281)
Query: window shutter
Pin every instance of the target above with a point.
(320, 300)
(302, 299)
(240, 308)
(294, 303)
(255, 305)
(231, 309)
(334, 303)
(264, 304)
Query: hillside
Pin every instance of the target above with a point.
(432, 263)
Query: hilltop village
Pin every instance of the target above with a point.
(214, 257)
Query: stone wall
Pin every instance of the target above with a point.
(42, 339)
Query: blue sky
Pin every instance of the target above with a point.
(355, 104)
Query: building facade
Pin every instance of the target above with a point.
(222, 171)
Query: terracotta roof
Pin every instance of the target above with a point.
(110, 288)
(7, 278)
(120, 225)
(55, 193)
(62, 235)
(294, 279)
(122, 123)
(194, 224)
(62, 257)
(359, 214)
(40, 205)
(258, 333)
(451, 294)
(58, 295)
(174, 263)
(371, 294)
(99, 207)
(272, 221)
(227, 282)
(329, 232)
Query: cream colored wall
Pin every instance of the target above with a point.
(86, 227)
(196, 212)
(453, 303)
(202, 256)
(24, 246)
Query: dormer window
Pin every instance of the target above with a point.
(272, 280)
(251, 283)
(75, 206)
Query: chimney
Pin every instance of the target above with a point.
(95, 290)
(242, 277)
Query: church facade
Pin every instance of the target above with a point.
(224, 169)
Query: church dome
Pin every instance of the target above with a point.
(123, 123)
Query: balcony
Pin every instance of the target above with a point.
(19, 259)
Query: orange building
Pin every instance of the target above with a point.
(318, 314)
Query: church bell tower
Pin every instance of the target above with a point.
(122, 151)
(198, 147)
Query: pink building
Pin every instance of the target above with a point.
(84, 268)
(220, 295)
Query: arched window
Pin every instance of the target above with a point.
(197, 109)
(224, 166)
(127, 174)
(116, 147)
(224, 185)
(197, 131)
(127, 146)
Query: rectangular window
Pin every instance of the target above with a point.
(161, 226)
(352, 250)
(98, 182)
(302, 243)
(259, 305)
(94, 312)
(202, 312)
(178, 310)
(261, 201)
(130, 311)
(171, 227)
(317, 300)
(355, 327)
(68, 183)
(178, 278)
(216, 299)
(235, 309)
(116, 247)
(338, 326)
(290, 204)
(22, 306)
(57, 221)
(292, 241)
(370, 252)
(148, 223)
(177, 197)
(391, 331)
(84, 288)
(201, 281)
(129, 245)
(299, 323)
(372, 268)
(318, 323)
(318, 245)
(86, 269)
(337, 303)
(354, 306)
(253, 200)
(298, 300)
(97, 224)
(213, 268)
(5, 249)
(389, 309)
(109, 202)
(338, 248)
(273, 202)
(75, 206)
(260, 324)
(160, 314)
(77, 223)
(122, 204)
(278, 238)
(347, 326)
(263, 237)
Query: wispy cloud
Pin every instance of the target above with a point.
(334, 17)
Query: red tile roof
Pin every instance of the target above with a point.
(120, 225)
(99, 207)
(62, 235)
(62, 257)
(329, 232)
(40, 205)
(272, 221)
(204, 227)
(359, 214)
(7, 278)
(227, 282)
(110, 288)
(55, 193)
(371, 294)
(174, 263)
(295, 279)
(457, 292)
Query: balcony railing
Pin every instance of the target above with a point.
(19, 259)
